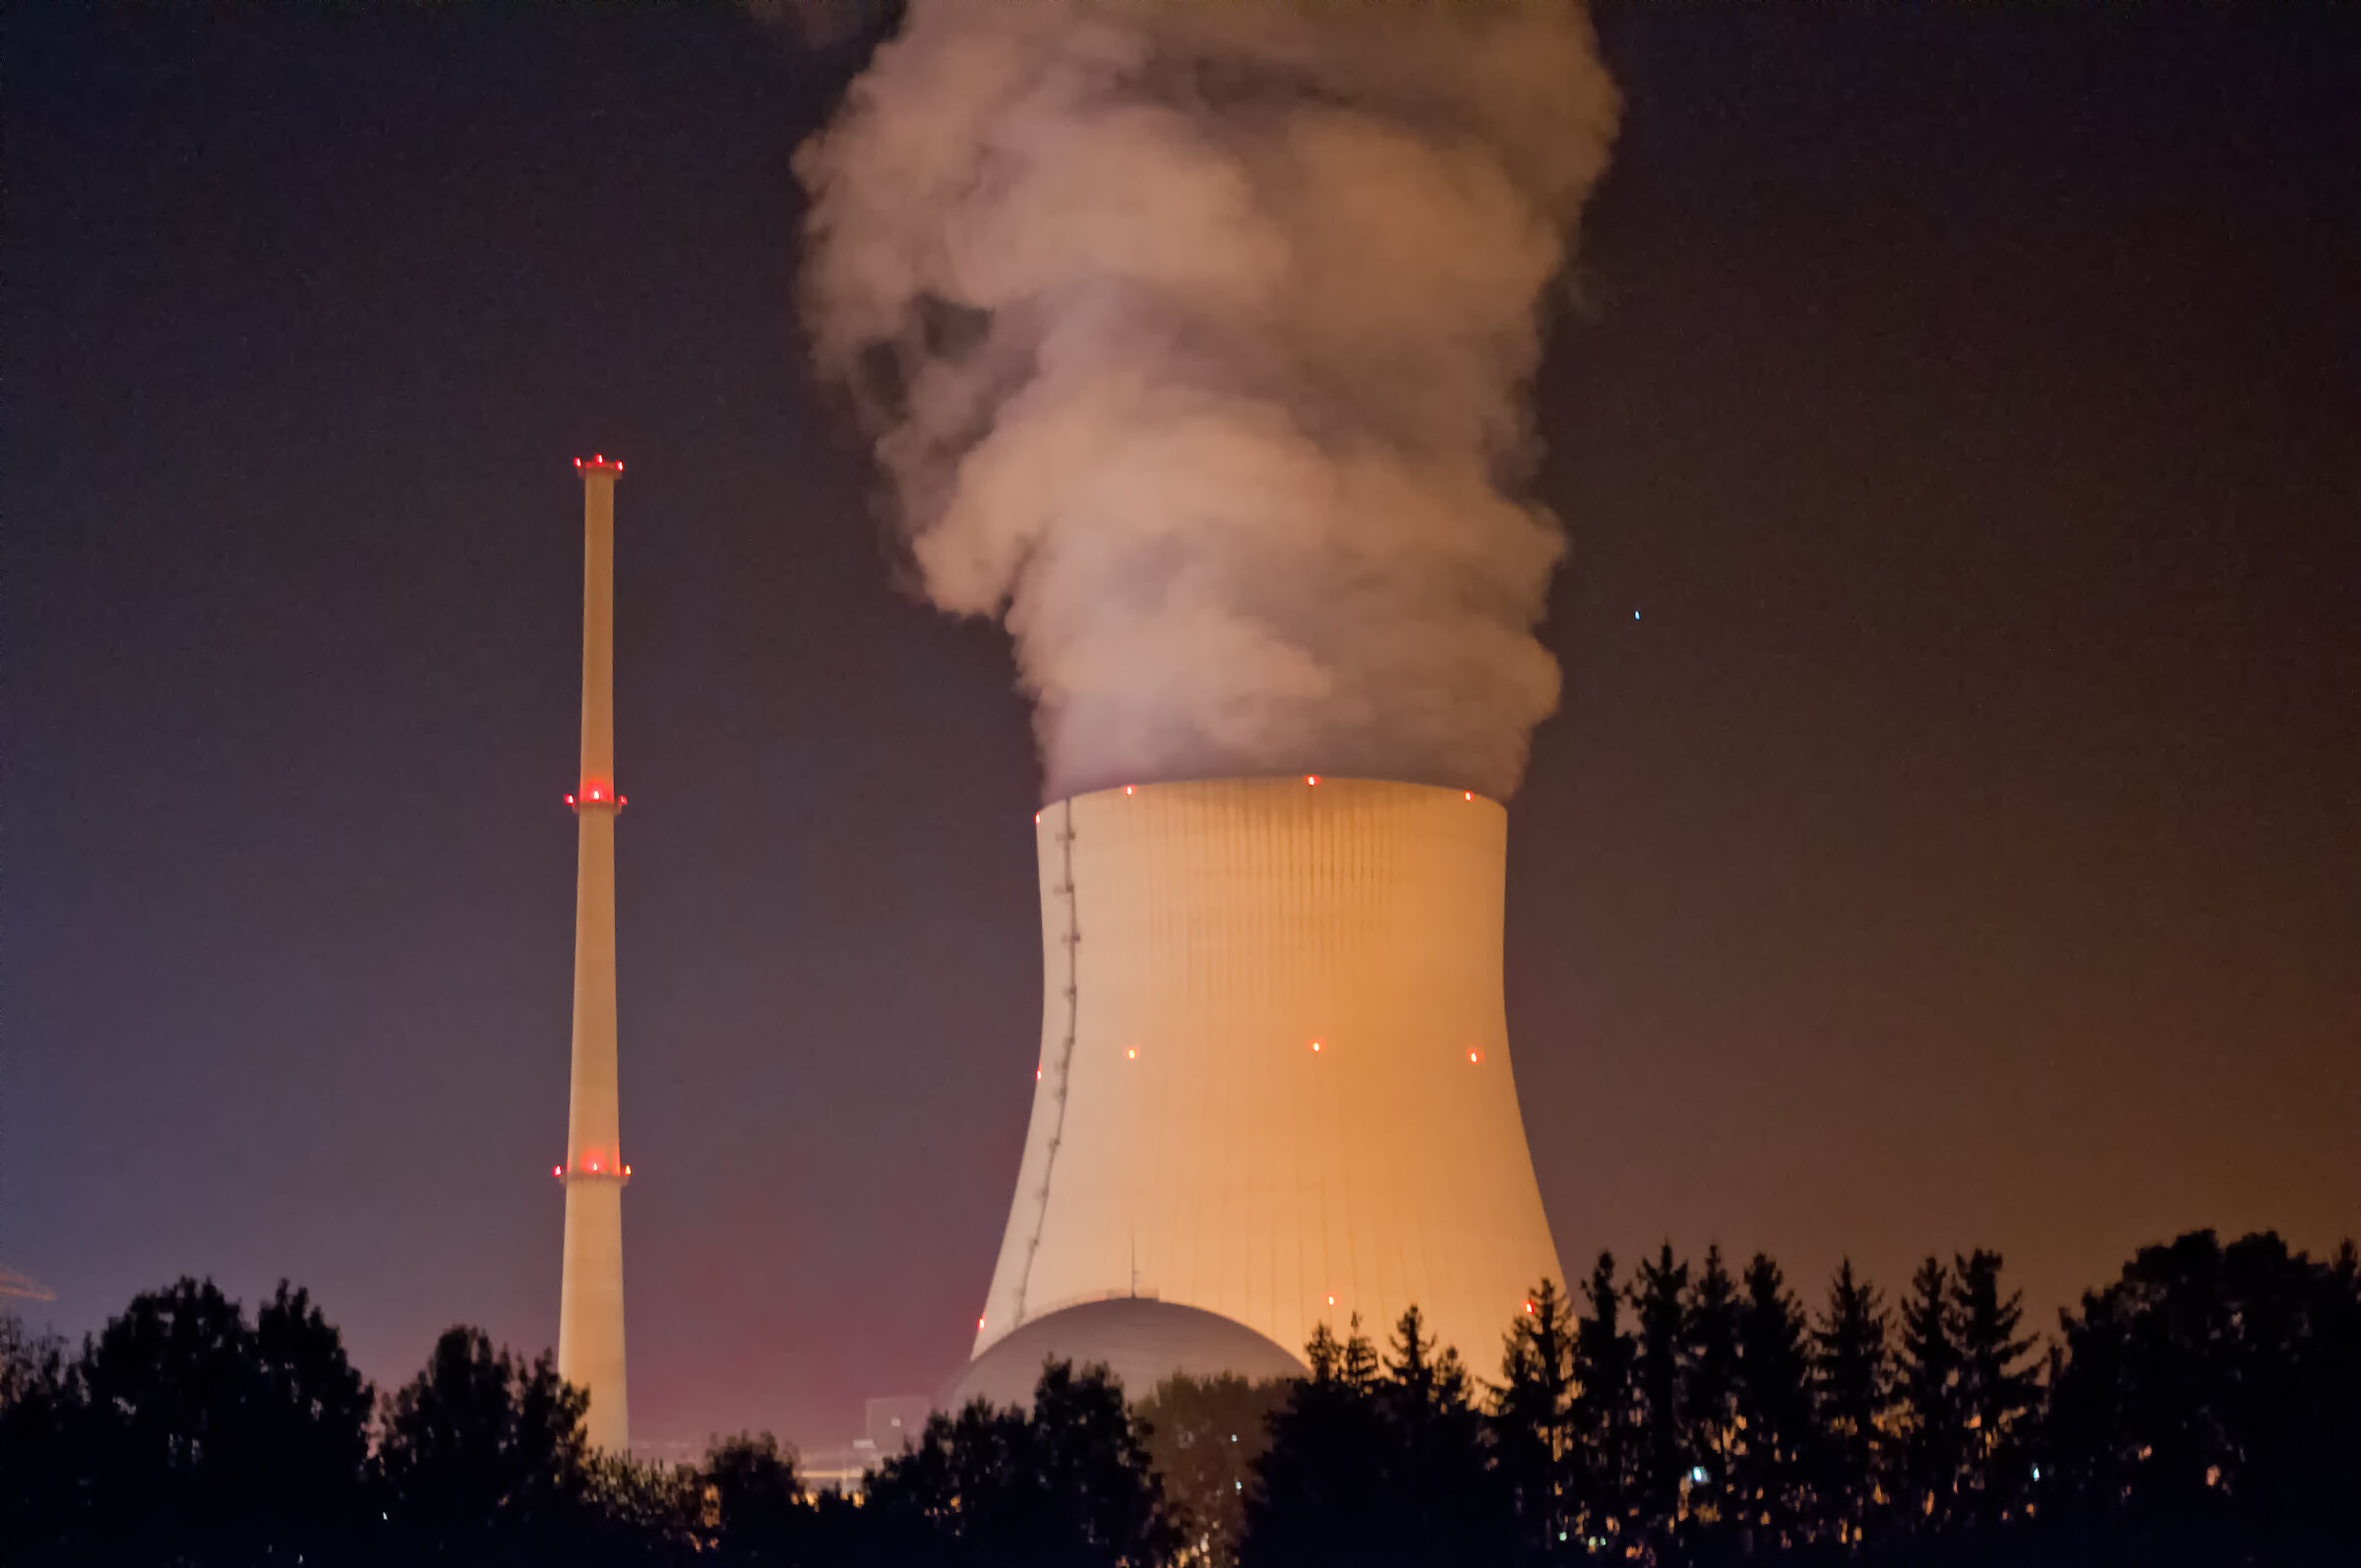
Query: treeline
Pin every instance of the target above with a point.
(2204, 1408)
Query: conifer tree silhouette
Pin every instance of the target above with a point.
(1996, 1389)
(1660, 1299)
(1606, 1411)
(1929, 1391)
(1534, 1436)
(1709, 1393)
(1852, 1392)
(1770, 1480)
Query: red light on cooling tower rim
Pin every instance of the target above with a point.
(1312, 778)
(558, 1170)
(570, 799)
(1467, 795)
(627, 1169)
(1126, 789)
(979, 1325)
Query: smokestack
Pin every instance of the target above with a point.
(1274, 1080)
(590, 1298)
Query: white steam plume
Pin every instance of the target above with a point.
(1198, 334)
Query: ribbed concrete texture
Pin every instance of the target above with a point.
(590, 1297)
(1274, 1073)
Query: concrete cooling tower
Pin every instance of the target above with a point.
(1274, 1084)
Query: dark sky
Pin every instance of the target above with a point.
(1963, 848)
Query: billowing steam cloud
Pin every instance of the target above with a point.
(1197, 332)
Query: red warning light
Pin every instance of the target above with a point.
(557, 1171)
(1529, 1309)
(1474, 1055)
(627, 1169)
(979, 1325)
(570, 799)
(1126, 789)
(1332, 1300)
(1312, 778)
(1316, 1046)
(1468, 795)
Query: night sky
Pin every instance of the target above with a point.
(1950, 835)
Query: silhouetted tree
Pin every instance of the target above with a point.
(1533, 1424)
(1709, 1393)
(1928, 1387)
(1066, 1485)
(199, 1439)
(1606, 1411)
(641, 1512)
(1996, 1388)
(2204, 1406)
(311, 1428)
(1770, 1476)
(44, 1477)
(1380, 1470)
(1851, 1389)
(483, 1458)
(1204, 1436)
(1321, 1494)
(758, 1513)
(1447, 1505)
(1660, 1297)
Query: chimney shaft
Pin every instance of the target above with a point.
(590, 1300)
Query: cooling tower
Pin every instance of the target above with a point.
(1274, 1078)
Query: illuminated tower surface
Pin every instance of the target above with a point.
(1274, 1074)
(590, 1300)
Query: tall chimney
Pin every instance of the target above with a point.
(590, 1303)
